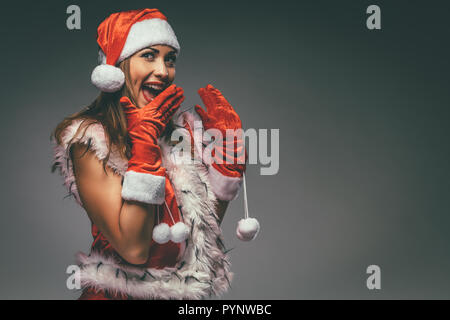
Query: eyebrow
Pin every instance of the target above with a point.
(157, 51)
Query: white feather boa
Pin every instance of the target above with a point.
(204, 269)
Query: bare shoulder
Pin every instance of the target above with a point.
(83, 158)
(86, 163)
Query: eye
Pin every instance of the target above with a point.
(171, 59)
(148, 54)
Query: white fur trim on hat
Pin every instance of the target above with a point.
(147, 33)
(107, 78)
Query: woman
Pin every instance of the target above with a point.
(155, 220)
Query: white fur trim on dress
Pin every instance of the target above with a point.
(144, 187)
(147, 33)
(203, 267)
(96, 139)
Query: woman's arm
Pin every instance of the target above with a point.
(128, 225)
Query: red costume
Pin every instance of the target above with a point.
(191, 262)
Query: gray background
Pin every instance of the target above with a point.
(363, 118)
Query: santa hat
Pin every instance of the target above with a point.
(121, 35)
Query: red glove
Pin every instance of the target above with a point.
(225, 176)
(221, 115)
(144, 180)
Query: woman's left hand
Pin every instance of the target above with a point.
(229, 157)
(219, 112)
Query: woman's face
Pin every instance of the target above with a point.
(151, 70)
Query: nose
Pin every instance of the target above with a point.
(160, 70)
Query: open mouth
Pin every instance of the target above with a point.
(150, 92)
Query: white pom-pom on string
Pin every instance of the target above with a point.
(247, 229)
(161, 233)
(179, 232)
(107, 78)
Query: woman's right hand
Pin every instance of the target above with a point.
(144, 180)
(147, 123)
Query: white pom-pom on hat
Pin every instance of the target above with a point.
(247, 229)
(107, 78)
(161, 233)
(179, 232)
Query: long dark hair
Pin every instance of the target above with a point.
(107, 111)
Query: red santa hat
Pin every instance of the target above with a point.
(121, 35)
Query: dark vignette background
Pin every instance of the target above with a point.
(363, 118)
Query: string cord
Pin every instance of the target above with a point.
(245, 197)
(157, 213)
(170, 212)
